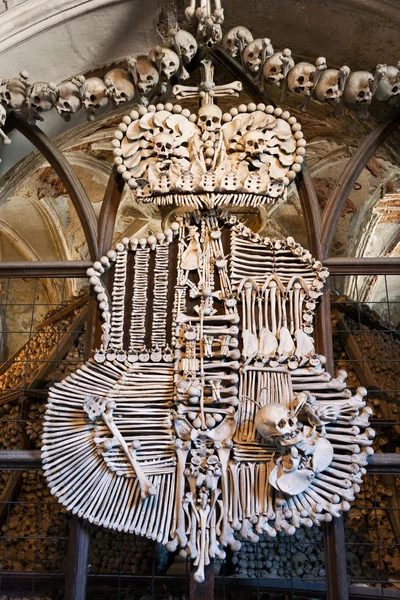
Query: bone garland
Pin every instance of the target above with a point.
(164, 152)
(137, 329)
(160, 295)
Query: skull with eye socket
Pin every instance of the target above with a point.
(163, 146)
(277, 424)
(210, 117)
(254, 143)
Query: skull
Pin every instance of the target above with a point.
(301, 564)
(256, 52)
(389, 83)
(163, 145)
(94, 93)
(13, 92)
(145, 74)
(353, 564)
(254, 143)
(301, 78)
(355, 518)
(379, 519)
(3, 115)
(328, 86)
(276, 423)
(119, 85)
(277, 66)
(185, 44)
(167, 59)
(358, 87)
(42, 96)
(236, 39)
(69, 99)
(210, 116)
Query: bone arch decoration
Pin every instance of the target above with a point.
(206, 417)
(150, 74)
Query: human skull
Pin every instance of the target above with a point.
(254, 143)
(379, 519)
(94, 93)
(276, 423)
(236, 39)
(185, 44)
(163, 145)
(328, 86)
(256, 52)
(389, 82)
(353, 564)
(3, 115)
(301, 78)
(277, 66)
(167, 59)
(119, 85)
(13, 92)
(358, 87)
(42, 96)
(301, 564)
(69, 99)
(210, 116)
(145, 74)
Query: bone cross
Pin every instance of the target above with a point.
(207, 89)
(96, 408)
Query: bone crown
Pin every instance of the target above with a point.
(248, 155)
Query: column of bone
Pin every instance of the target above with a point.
(160, 296)
(118, 299)
(137, 330)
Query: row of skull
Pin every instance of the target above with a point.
(307, 79)
(144, 74)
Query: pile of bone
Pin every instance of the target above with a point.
(36, 529)
(115, 552)
(9, 426)
(72, 361)
(301, 558)
(9, 435)
(311, 81)
(381, 352)
(366, 559)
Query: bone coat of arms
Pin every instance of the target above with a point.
(206, 417)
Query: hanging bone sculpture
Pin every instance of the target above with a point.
(206, 416)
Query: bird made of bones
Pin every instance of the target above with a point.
(207, 417)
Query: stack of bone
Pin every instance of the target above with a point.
(36, 529)
(113, 552)
(301, 558)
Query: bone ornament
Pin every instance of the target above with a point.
(167, 155)
(69, 98)
(259, 442)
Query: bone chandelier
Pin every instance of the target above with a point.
(206, 417)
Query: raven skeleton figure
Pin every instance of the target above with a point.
(207, 417)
